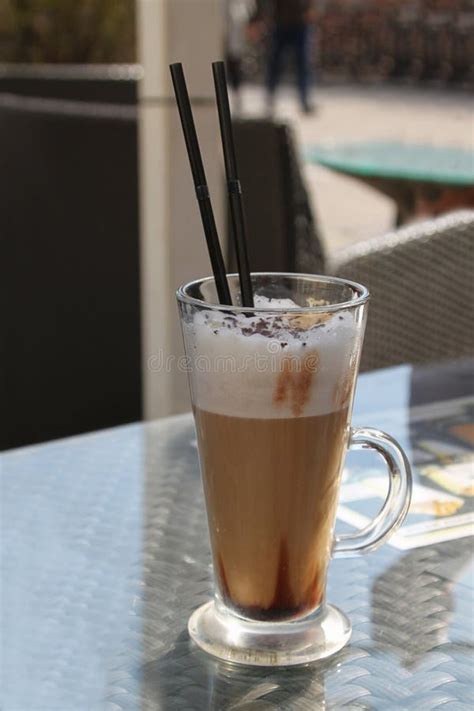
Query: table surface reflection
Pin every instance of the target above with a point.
(105, 554)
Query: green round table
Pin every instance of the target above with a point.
(423, 179)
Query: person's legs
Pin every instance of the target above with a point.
(302, 51)
(234, 72)
(277, 48)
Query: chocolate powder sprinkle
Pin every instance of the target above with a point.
(277, 327)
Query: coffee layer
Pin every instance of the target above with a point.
(271, 487)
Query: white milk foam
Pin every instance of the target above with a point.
(239, 359)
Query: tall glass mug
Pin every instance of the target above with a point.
(272, 389)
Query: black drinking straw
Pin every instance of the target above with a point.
(233, 184)
(200, 184)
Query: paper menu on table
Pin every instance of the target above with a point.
(442, 455)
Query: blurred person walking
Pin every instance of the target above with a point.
(237, 16)
(291, 22)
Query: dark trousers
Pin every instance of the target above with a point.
(234, 71)
(293, 40)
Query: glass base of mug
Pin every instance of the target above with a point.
(269, 644)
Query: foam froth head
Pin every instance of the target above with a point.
(277, 361)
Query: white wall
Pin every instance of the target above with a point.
(172, 241)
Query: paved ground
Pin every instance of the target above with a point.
(347, 210)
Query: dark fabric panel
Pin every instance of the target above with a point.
(69, 229)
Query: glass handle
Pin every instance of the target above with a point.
(395, 508)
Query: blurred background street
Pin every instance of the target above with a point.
(358, 113)
(351, 118)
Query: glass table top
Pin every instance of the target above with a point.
(396, 160)
(105, 554)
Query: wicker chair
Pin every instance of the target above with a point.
(282, 227)
(421, 280)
